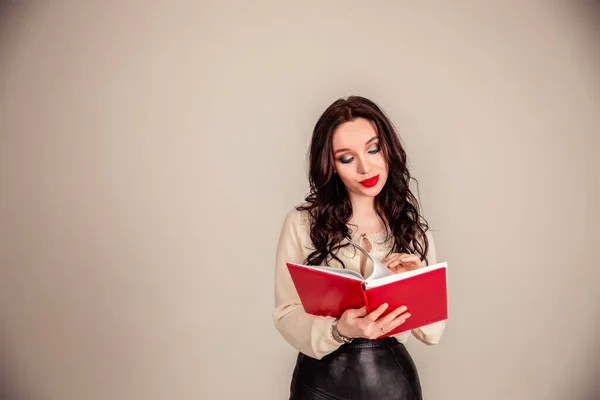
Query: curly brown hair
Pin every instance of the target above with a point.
(328, 203)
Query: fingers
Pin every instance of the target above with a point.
(394, 258)
(390, 317)
(391, 257)
(396, 322)
(357, 313)
(372, 328)
(402, 257)
(391, 321)
(361, 312)
(376, 313)
(399, 268)
(357, 323)
(402, 262)
(409, 257)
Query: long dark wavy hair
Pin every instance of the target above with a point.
(328, 203)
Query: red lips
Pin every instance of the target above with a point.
(370, 182)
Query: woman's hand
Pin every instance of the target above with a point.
(402, 262)
(357, 323)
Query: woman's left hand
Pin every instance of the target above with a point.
(402, 262)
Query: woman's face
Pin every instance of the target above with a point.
(358, 159)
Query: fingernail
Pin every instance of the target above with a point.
(407, 315)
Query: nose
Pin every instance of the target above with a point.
(363, 166)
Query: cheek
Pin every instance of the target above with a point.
(346, 174)
(381, 163)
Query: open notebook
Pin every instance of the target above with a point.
(330, 291)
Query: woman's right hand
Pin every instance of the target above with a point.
(357, 323)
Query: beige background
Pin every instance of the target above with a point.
(149, 152)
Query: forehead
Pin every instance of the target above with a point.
(353, 133)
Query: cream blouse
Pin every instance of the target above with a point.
(308, 333)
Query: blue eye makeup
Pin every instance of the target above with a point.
(374, 149)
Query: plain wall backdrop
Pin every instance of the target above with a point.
(149, 153)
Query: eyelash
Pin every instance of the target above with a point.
(376, 150)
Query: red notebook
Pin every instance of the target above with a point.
(329, 291)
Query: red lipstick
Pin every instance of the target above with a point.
(370, 182)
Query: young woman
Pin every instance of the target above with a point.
(359, 189)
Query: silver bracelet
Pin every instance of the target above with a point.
(336, 335)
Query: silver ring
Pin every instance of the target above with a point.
(383, 330)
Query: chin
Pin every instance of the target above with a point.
(370, 192)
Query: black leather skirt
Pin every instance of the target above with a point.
(363, 369)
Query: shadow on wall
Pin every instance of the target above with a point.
(10, 11)
(5, 7)
(4, 4)
(594, 374)
(8, 383)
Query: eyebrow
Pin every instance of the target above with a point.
(368, 141)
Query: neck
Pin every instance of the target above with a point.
(364, 216)
(362, 205)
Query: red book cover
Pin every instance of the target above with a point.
(329, 291)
